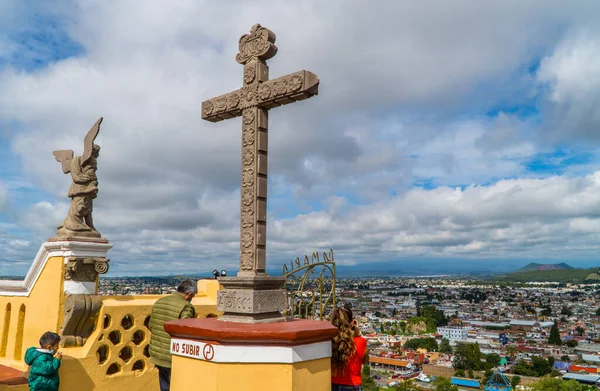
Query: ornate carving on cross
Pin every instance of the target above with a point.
(252, 102)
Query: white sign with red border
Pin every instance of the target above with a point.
(249, 354)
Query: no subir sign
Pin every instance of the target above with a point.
(198, 350)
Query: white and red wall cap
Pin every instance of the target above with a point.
(220, 353)
(293, 332)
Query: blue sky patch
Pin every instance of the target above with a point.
(41, 41)
(557, 161)
(425, 183)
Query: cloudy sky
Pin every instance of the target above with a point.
(457, 133)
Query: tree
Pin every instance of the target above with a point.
(547, 311)
(368, 384)
(444, 384)
(408, 385)
(421, 343)
(554, 336)
(565, 358)
(580, 330)
(552, 384)
(511, 351)
(572, 343)
(514, 382)
(468, 356)
(366, 371)
(493, 360)
(422, 324)
(523, 369)
(598, 312)
(540, 366)
(403, 326)
(566, 311)
(445, 346)
(431, 312)
(486, 375)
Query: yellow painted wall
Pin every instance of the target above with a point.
(40, 312)
(113, 340)
(312, 375)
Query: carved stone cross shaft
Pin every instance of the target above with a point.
(252, 102)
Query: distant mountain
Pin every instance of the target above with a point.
(532, 267)
(561, 275)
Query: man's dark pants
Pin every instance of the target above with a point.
(164, 378)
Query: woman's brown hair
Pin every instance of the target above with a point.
(342, 346)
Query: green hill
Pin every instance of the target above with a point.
(540, 267)
(555, 275)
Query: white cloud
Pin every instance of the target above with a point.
(401, 90)
(532, 217)
(571, 74)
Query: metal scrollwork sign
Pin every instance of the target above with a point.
(311, 286)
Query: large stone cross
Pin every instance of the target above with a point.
(252, 102)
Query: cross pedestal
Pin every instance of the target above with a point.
(253, 296)
(258, 299)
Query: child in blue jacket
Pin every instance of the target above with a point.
(44, 363)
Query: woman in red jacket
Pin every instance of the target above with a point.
(349, 352)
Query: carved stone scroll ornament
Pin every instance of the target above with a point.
(83, 190)
(81, 314)
(85, 269)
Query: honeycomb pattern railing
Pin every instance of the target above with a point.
(122, 345)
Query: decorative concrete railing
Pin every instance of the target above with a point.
(105, 338)
(120, 340)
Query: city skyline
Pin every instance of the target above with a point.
(445, 136)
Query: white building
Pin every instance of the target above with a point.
(453, 333)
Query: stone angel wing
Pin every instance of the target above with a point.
(64, 157)
(88, 141)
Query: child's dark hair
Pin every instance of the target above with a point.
(49, 338)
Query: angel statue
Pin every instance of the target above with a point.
(84, 189)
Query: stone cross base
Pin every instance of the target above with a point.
(258, 299)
